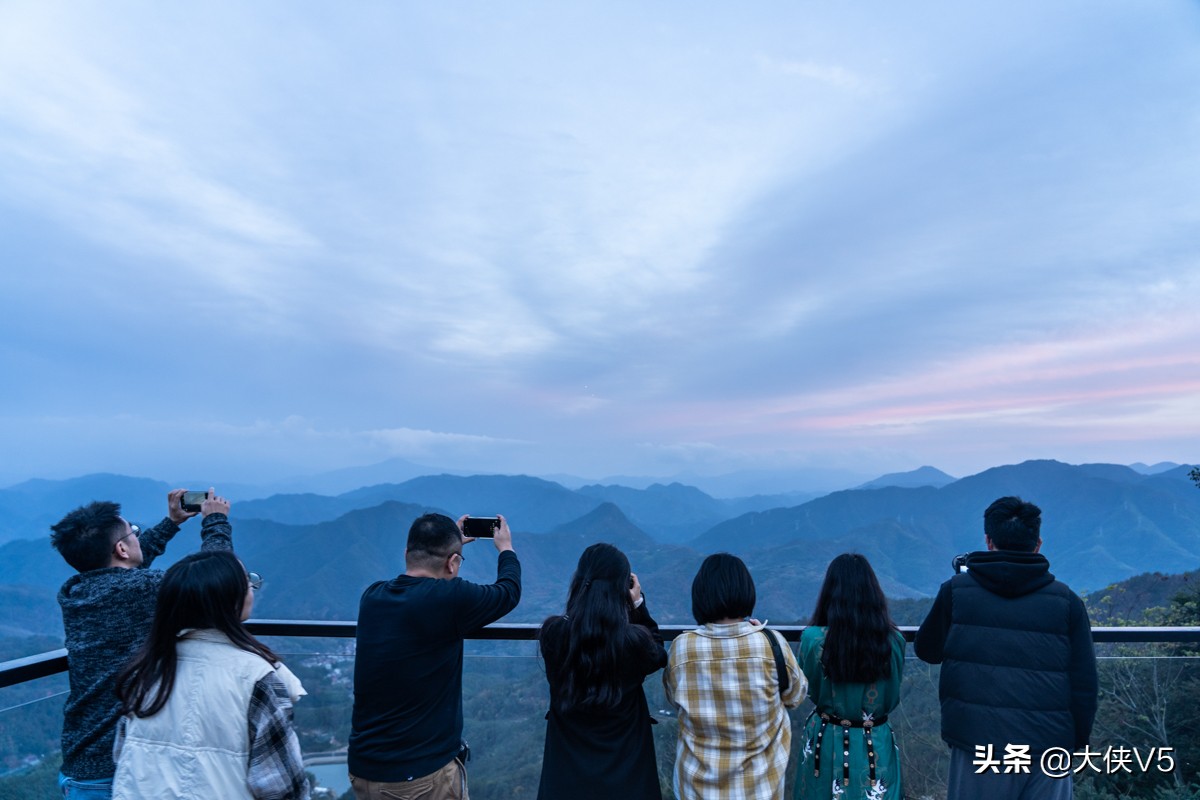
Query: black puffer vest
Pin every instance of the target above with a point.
(1006, 674)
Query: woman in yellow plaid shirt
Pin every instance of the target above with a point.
(734, 730)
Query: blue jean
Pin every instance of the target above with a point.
(99, 789)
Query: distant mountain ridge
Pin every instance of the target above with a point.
(28, 509)
(922, 476)
(1102, 523)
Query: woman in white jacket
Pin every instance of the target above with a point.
(208, 708)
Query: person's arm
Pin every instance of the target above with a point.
(550, 640)
(797, 682)
(671, 675)
(654, 655)
(1084, 682)
(119, 739)
(892, 688)
(275, 766)
(215, 531)
(479, 605)
(930, 642)
(154, 541)
(810, 661)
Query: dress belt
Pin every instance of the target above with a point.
(867, 723)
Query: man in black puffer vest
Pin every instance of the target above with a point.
(1018, 666)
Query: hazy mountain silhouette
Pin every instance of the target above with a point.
(28, 509)
(922, 476)
(1102, 523)
(532, 504)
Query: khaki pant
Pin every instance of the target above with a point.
(448, 783)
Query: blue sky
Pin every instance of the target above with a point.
(258, 240)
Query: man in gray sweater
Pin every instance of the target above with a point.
(107, 610)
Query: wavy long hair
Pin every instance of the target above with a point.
(597, 630)
(200, 591)
(858, 629)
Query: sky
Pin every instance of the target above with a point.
(255, 240)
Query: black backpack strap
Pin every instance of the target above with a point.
(780, 666)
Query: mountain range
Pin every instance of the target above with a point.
(1102, 523)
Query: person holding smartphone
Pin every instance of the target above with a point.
(107, 610)
(598, 736)
(406, 728)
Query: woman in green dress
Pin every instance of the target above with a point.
(853, 657)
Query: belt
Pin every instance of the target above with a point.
(867, 724)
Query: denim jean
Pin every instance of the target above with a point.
(100, 789)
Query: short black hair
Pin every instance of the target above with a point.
(84, 537)
(432, 537)
(722, 589)
(1013, 524)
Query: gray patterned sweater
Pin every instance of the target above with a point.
(106, 616)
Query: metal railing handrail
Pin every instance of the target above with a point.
(42, 665)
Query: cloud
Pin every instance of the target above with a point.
(832, 74)
(789, 230)
(91, 150)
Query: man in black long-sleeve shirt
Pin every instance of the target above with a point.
(407, 725)
(107, 610)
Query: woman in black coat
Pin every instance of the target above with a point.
(599, 742)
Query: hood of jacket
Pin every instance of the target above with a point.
(1010, 573)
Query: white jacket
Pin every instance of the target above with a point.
(198, 745)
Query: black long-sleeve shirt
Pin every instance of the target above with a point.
(408, 718)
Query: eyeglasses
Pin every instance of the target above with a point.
(134, 530)
(256, 580)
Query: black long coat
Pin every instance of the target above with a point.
(609, 753)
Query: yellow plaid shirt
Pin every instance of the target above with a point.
(734, 731)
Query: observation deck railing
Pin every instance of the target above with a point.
(504, 692)
(53, 662)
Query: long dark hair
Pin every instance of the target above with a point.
(597, 630)
(202, 590)
(853, 610)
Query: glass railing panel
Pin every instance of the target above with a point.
(1146, 739)
(30, 729)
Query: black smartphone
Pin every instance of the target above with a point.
(481, 527)
(191, 500)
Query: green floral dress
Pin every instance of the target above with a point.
(848, 701)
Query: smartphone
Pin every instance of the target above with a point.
(191, 500)
(481, 527)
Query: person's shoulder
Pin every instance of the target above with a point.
(376, 587)
(385, 591)
(554, 630)
(100, 584)
(684, 640)
(1072, 596)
